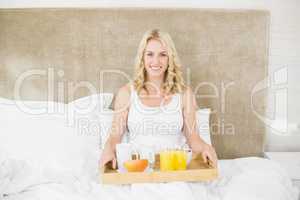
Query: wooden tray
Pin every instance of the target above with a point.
(197, 170)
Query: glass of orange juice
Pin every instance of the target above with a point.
(165, 160)
(181, 160)
(173, 159)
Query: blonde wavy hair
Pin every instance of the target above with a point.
(173, 80)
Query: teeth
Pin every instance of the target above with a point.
(155, 68)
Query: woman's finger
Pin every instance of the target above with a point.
(104, 161)
(212, 159)
(114, 163)
(215, 161)
(204, 157)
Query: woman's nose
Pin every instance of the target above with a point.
(155, 60)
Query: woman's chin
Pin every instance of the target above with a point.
(156, 73)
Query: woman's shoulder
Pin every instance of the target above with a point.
(187, 91)
(125, 88)
(124, 91)
(122, 96)
(188, 95)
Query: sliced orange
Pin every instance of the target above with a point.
(136, 165)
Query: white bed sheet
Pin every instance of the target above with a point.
(240, 179)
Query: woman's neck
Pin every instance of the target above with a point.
(154, 84)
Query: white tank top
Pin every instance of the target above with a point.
(156, 127)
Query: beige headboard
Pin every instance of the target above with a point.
(224, 54)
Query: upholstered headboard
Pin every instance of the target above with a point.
(224, 54)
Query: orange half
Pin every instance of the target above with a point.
(136, 165)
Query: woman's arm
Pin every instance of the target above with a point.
(190, 129)
(120, 107)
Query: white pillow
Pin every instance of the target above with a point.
(83, 107)
(105, 122)
(5, 101)
(91, 103)
(77, 108)
(46, 138)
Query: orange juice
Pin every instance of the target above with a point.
(181, 160)
(165, 164)
(162, 160)
(173, 160)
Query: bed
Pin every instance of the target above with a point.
(59, 69)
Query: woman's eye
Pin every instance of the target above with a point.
(149, 54)
(164, 55)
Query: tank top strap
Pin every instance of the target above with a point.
(180, 99)
(132, 93)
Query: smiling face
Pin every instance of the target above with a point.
(156, 59)
(157, 63)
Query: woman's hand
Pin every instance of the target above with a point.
(208, 153)
(108, 154)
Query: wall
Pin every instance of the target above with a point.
(284, 55)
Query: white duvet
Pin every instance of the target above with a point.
(41, 158)
(240, 179)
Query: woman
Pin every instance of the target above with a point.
(158, 96)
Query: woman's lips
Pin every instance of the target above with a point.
(155, 68)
